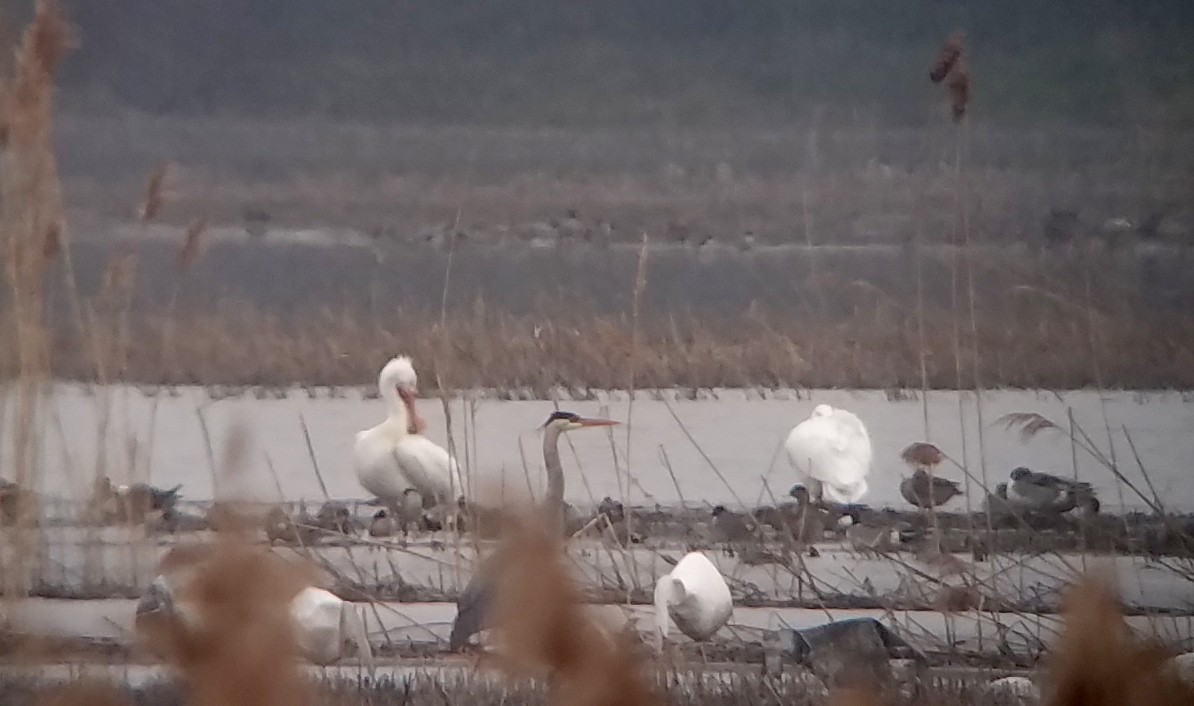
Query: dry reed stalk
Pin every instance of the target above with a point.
(1099, 661)
(30, 208)
(240, 648)
(957, 87)
(154, 198)
(191, 246)
(542, 624)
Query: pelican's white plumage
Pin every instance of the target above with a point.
(832, 451)
(394, 455)
(694, 596)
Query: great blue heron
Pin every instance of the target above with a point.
(832, 451)
(394, 455)
(473, 606)
(694, 595)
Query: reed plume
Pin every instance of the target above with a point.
(154, 198)
(950, 66)
(30, 209)
(957, 87)
(542, 624)
(946, 57)
(191, 246)
(1100, 661)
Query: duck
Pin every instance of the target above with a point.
(1047, 493)
(733, 528)
(928, 491)
(382, 524)
(832, 451)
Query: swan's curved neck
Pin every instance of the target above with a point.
(397, 411)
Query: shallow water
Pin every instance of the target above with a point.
(739, 432)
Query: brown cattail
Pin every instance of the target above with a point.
(949, 54)
(922, 455)
(154, 198)
(192, 244)
(1100, 661)
(50, 37)
(543, 624)
(957, 84)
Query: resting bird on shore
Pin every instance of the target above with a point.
(394, 455)
(382, 524)
(474, 605)
(1046, 493)
(926, 491)
(695, 596)
(172, 610)
(832, 451)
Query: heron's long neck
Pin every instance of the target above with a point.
(554, 501)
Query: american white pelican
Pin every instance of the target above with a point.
(832, 450)
(473, 606)
(394, 455)
(323, 623)
(694, 596)
(1042, 492)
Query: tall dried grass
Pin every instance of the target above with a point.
(31, 218)
(1028, 345)
(542, 625)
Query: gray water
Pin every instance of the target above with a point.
(161, 438)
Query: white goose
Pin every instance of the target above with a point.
(694, 596)
(394, 456)
(833, 451)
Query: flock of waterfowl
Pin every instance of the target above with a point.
(418, 488)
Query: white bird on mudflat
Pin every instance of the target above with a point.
(833, 452)
(323, 623)
(694, 596)
(395, 456)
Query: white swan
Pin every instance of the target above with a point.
(395, 456)
(833, 452)
(694, 596)
(323, 623)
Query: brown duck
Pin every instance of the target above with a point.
(926, 491)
